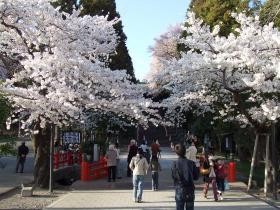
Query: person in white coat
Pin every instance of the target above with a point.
(139, 166)
(191, 152)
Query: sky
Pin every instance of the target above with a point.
(145, 20)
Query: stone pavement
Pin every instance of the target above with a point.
(9, 179)
(100, 194)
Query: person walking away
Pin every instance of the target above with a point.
(220, 177)
(159, 153)
(111, 156)
(139, 166)
(21, 158)
(191, 152)
(118, 170)
(155, 147)
(131, 153)
(210, 177)
(184, 172)
(155, 168)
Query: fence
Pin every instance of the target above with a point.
(62, 159)
(91, 171)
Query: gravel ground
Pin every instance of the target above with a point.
(39, 200)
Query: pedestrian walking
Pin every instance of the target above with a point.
(21, 157)
(131, 153)
(191, 152)
(155, 147)
(119, 174)
(139, 166)
(210, 177)
(184, 172)
(145, 150)
(111, 156)
(220, 177)
(155, 168)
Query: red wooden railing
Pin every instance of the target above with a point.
(91, 171)
(62, 159)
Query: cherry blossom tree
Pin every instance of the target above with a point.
(64, 73)
(240, 72)
(164, 49)
(236, 77)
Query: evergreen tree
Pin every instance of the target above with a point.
(218, 12)
(270, 12)
(121, 60)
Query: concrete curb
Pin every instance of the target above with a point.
(7, 192)
(271, 203)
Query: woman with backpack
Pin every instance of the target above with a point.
(139, 166)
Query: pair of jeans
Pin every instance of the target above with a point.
(184, 198)
(211, 180)
(20, 162)
(111, 173)
(155, 180)
(137, 181)
(220, 184)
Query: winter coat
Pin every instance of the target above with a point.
(139, 165)
(111, 156)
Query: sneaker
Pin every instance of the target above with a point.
(139, 201)
(221, 198)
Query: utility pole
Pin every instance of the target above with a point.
(274, 161)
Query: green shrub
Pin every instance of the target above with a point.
(8, 149)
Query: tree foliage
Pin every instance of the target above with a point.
(218, 12)
(120, 60)
(270, 12)
(63, 65)
(164, 49)
(5, 109)
(237, 75)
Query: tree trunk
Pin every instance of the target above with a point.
(253, 162)
(42, 156)
(266, 166)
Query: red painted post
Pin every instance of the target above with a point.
(231, 172)
(69, 158)
(84, 171)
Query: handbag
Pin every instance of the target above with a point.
(204, 171)
(204, 168)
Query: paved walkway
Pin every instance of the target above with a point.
(9, 179)
(103, 195)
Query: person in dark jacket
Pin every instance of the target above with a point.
(22, 153)
(132, 151)
(184, 172)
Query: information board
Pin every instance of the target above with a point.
(71, 137)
